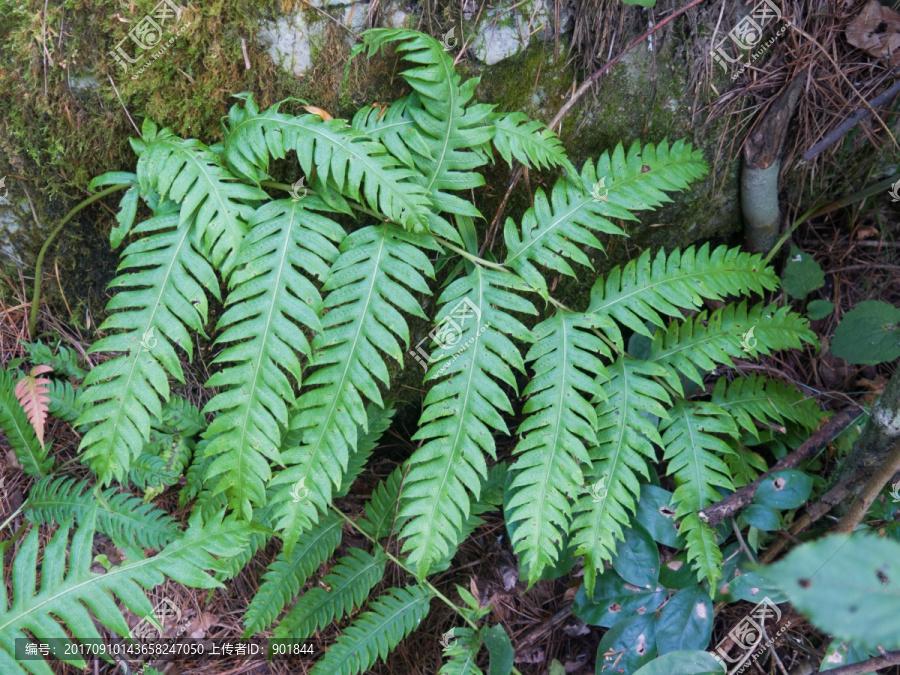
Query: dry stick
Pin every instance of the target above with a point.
(577, 94)
(872, 665)
(836, 495)
(858, 116)
(870, 491)
(741, 498)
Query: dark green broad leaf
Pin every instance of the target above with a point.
(614, 600)
(844, 654)
(628, 645)
(683, 662)
(868, 334)
(819, 309)
(686, 621)
(848, 585)
(677, 573)
(762, 517)
(642, 3)
(802, 274)
(752, 587)
(655, 514)
(501, 650)
(785, 489)
(637, 558)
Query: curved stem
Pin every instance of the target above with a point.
(13, 515)
(465, 254)
(38, 266)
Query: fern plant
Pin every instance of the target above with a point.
(316, 319)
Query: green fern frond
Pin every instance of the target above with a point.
(462, 409)
(375, 632)
(121, 516)
(350, 582)
(33, 457)
(625, 443)
(693, 453)
(744, 465)
(64, 362)
(258, 539)
(64, 598)
(353, 163)
(168, 453)
(528, 141)
(700, 344)
(381, 507)
(449, 123)
(555, 231)
(490, 499)
(368, 287)
(63, 401)
(289, 571)
(269, 302)
(645, 290)
(394, 128)
(167, 282)
(759, 399)
(190, 174)
(127, 205)
(463, 652)
(153, 473)
(561, 424)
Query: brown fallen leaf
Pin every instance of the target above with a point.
(318, 111)
(876, 30)
(867, 232)
(32, 394)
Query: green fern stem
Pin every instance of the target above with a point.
(38, 266)
(400, 564)
(447, 601)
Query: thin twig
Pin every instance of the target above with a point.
(855, 118)
(882, 476)
(838, 70)
(870, 666)
(122, 103)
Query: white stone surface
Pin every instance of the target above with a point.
(503, 33)
(293, 40)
